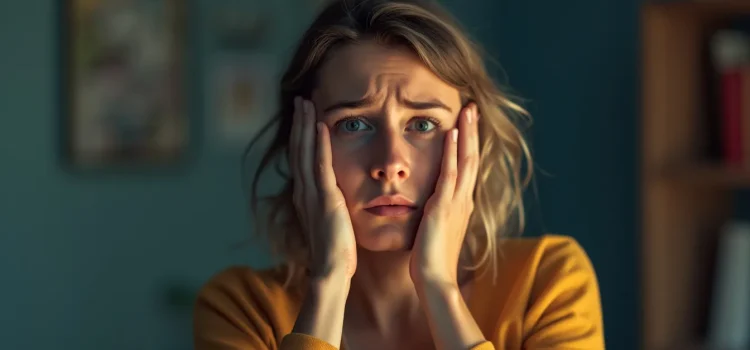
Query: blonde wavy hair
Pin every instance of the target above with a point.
(436, 38)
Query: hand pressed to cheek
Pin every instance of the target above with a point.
(468, 155)
(459, 164)
(443, 228)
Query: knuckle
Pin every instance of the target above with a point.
(452, 173)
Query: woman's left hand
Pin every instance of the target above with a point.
(440, 237)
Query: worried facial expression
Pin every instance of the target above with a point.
(388, 115)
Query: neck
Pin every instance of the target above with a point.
(383, 298)
(382, 294)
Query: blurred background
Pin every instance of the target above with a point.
(122, 125)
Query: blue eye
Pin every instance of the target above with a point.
(352, 124)
(424, 125)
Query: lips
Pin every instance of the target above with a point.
(390, 210)
(392, 205)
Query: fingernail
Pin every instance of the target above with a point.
(469, 115)
(319, 126)
(305, 107)
(454, 135)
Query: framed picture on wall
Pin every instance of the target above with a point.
(242, 95)
(122, 91)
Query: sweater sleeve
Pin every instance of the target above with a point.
(225, 317)
(484, 346)
(564, 307)
(238, 310)
(297, 341)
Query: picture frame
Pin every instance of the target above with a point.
(121, 84)
(242, 98)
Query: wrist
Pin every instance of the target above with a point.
(322, 311)
(451, 322)
(334, 266)
(329, 281)
(434, 286)
(433, 278)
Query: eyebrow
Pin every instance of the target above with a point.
(418, 105)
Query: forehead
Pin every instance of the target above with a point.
(370, 69)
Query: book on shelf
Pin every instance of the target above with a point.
(729, 319)
(730, 53)
(729, 92)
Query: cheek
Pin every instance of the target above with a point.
(348, 167)
(427, 163)
(351, 165)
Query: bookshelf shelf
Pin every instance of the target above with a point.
(706, 7)
(683, 207)
(708, 175)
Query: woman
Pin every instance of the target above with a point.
(405, 171)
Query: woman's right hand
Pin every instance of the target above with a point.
(320, 205)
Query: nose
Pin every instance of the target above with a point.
(391, 164)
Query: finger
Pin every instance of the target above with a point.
(468, 152)
(294, 144)
(294, 136)
(474, 178)
(324, 169)
(294, 159)
(307, 151)
(446, 183)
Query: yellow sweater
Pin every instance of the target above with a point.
(546, 297)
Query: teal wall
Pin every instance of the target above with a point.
(85, 259)
(577, 63)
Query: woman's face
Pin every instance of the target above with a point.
(388, 115)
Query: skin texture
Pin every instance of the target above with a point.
(380, 123)
(387, 155)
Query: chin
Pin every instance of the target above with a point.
(386, 238)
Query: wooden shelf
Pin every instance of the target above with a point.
(723, 8)
(695, 346)
(708, 175)
(683, 206)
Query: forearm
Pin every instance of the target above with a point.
(451, 324)
(322, 312)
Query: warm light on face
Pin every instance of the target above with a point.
(388, 116)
